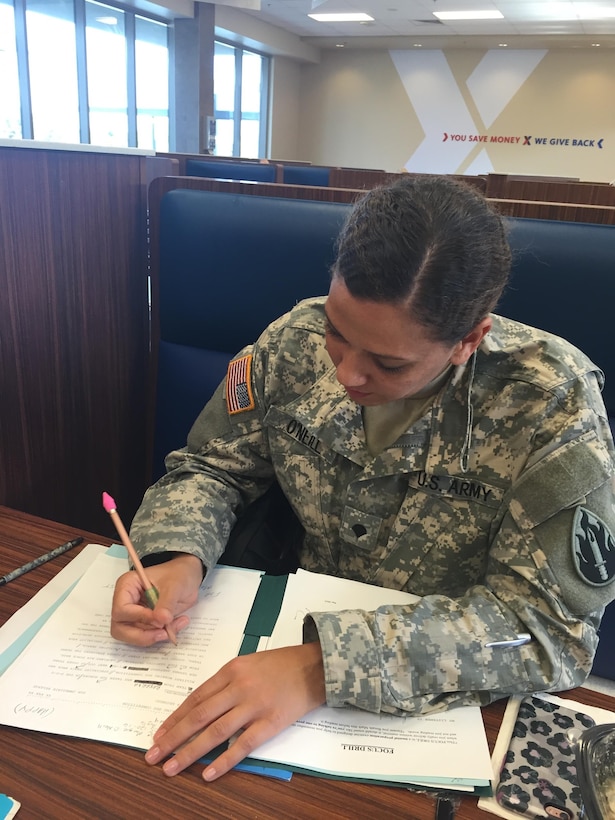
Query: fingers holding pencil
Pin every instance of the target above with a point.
(132, 620)
(178, 581)
(150, 593)
(136, 624)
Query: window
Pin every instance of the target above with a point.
(52, 66)
(105, 42)
(224, 99)
(83, 71)
(251, 81)
(10, 107)
(95, 72)
(152, 84)
(240, 101)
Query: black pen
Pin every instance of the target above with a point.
(42, 559)
(445, 809)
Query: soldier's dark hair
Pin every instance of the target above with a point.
(431, 243)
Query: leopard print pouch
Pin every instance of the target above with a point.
(539, 776)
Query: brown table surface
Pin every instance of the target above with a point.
(65, 778)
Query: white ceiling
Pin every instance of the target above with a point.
(404, 23)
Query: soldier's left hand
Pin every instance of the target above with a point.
(256, 695)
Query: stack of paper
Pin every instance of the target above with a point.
(64, 674)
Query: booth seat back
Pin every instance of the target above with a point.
(563, 281)
(219, 169)
(229, 264)
(306, 175)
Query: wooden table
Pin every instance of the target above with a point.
(63, 778)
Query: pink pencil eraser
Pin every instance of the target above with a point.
(108, 502)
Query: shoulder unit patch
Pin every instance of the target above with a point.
(239, 395)
(593, 548)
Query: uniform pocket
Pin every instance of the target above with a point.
(360, 528)
(439, 545)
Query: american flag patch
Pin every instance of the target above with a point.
(239, 395)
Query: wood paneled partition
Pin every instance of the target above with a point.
(560, 211)
(550, 189)
(366, 179)
(74, 332)
(328, 194)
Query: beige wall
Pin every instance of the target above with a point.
(356, 110)
(284, 113)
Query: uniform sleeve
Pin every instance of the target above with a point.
(550, 573)
(208, 483)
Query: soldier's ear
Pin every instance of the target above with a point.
(464, 349)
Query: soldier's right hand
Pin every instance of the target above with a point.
(177, 581)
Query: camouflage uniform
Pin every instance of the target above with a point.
(483, 519)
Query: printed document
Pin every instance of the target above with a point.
(74, 679)
(431, 749)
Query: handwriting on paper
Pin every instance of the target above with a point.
(74, 678)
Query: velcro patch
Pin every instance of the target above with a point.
(593, 548)
(239, 396)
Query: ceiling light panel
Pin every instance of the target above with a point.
(594, 11)
(342, 17)
(522, 19)
(476, 14)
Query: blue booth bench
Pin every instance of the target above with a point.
(315, 175)
(251, 171)
(306, 175)
(224, 265)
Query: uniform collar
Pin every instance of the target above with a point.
(436, 441)
(334, 418)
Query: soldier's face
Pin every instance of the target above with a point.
(379, 352)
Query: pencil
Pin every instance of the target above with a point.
(150, 593)
(42, 559)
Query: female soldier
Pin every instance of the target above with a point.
(425, 444)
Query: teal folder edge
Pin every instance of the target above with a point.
(19, 644)
(264, 612)
(260, 623)
(284, 772)
(476, 791)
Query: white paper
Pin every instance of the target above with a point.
(75, 679)
(311, 592)
(432, 748)
(23, 625)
